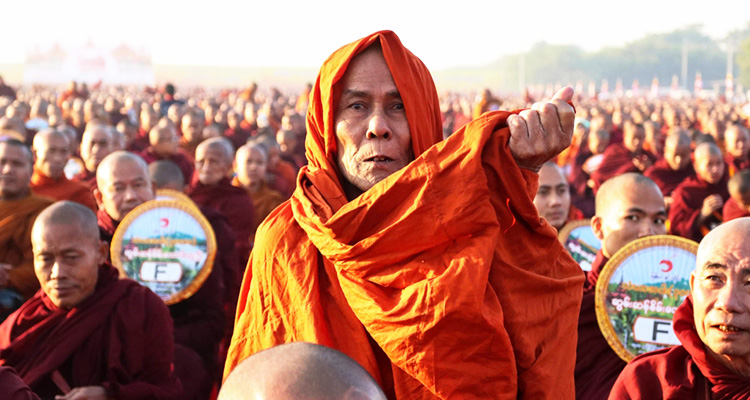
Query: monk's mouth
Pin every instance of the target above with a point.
(728, 328)
(378, 159)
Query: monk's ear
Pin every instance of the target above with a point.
(101, 252)
(596, 226)
(692, 279)
(98, 197)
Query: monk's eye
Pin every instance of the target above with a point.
(632, 218)
(399, 106)
(356, 106)
(660, 221)
(542, 192)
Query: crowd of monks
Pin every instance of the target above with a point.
(409, 238)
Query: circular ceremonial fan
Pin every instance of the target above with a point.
(639, 290)
(167, 246)
(578, 238)
(171, 194)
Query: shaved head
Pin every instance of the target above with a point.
(166, 174)
(220, 144)
(70, 214)
(123, 184)
(709, 162)
(118, 158)
(213, 160)
(45, 135)
(300, 371)
(614, 187)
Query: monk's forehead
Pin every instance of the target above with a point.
(550, 175)
(629, 195)
(728, 245)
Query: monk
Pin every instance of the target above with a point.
(711, 325)
(281, 174)
(697, 202)
(251, 162)
(164, 145)
(96, 143)
(552, 200)
(124, 184)
(300, 371)
(192, 127)
(738, 205)
(148, 119)
(586, 161)
(212, 188)
(87, 334)
(737, 142)
(234, 131)
(18, 209)
(369, 255)
(628, 207)
(675, 167)
(287, 141)
(626, 157)
(52, 151)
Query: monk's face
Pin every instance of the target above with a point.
(721, 294)
(737, 141)
(552, 199)
(633, 138)
(709, 167)
(52, 154)
(211, 164)
(126, 185)
(15, 172)
(164, 142)
(372, 132)
(634, 211)
(66, 263)
(677, 154)
(251, 166)
(95, 145)
(192, 127)
(598, 142)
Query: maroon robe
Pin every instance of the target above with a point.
(617, 160)
(666, 178)
(182, 159)
(120, 338)
(597, 365)
(680, 372)
(87, 177)
(235, 205)
(732, 210)
(736, 164)
(687, 201)
(238, 136)
(12, 387)
(139, 143)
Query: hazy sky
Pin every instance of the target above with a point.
(304, 32)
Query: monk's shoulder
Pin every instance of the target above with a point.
(140, 300)
(658, 374)
(279, 229)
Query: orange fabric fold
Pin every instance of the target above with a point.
(445, 265)
(62, 189)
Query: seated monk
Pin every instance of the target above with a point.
(628, 207)
(124, 184)
(653, 143)
(697, 202)
(287, 141)
(738, 205)
(163, 145)
(417, 257)
(251, 163)
(675, 167)
(737, 143)
(18, 209)
(626, 157)
(52, 152)
(96, 143)
(212, 188)
(282, 175)
(87, 333)
(552, 200)
(298, 371)
(12, 387)
(234, 131)
(713, 358)
(586, 161)
(192, 129)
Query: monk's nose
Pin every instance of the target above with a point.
(378, 126)
(727, 299)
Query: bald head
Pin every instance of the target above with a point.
(300, 371)
(96, 143)
(213, 160)
(52, 149)
(123, 184)
(166, 175)
(709, 162)
(677, 150)
(71, 214)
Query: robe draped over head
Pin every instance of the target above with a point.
(666, 178)
(687, 371)
(120, 337)
(733, 210)
(438, 290)
(687, 201)
(62, 189)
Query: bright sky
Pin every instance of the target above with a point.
(303, 33)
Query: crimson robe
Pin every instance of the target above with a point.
(732, 210)
(736, 164)
(62, 189)
(88, 178)
(237, 136)
(687, 201)
(235, 205)
(12, 387)
(617, 160)
(182, 159)
(666, 178)
(597, 365)
(120, 338)
(687, 371)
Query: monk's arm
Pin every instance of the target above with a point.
(22, 277)
(683, 220)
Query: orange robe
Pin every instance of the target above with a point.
(16, 219)
(264, 201)
(62, 189)
(438, 290)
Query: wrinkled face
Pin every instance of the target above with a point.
(677, 155)
(251, 166)
(95, 145)
(212, 165)
(67, 266)
(633, 139)
(125, 186)
(636, 211)
(372, 132)
(51, 156)
(737, 141)
(709, 167)
(15, 172)
(552, 199)
(721, 295)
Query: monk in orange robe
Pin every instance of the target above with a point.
(675, 167)
(552, 200)
(425, 262)
(18, 209)
(697, 202)
(738, 205)
(711, 325)
(737, 142)
(87, 333)
(251, 162)
(628, 207)
(52, 153)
